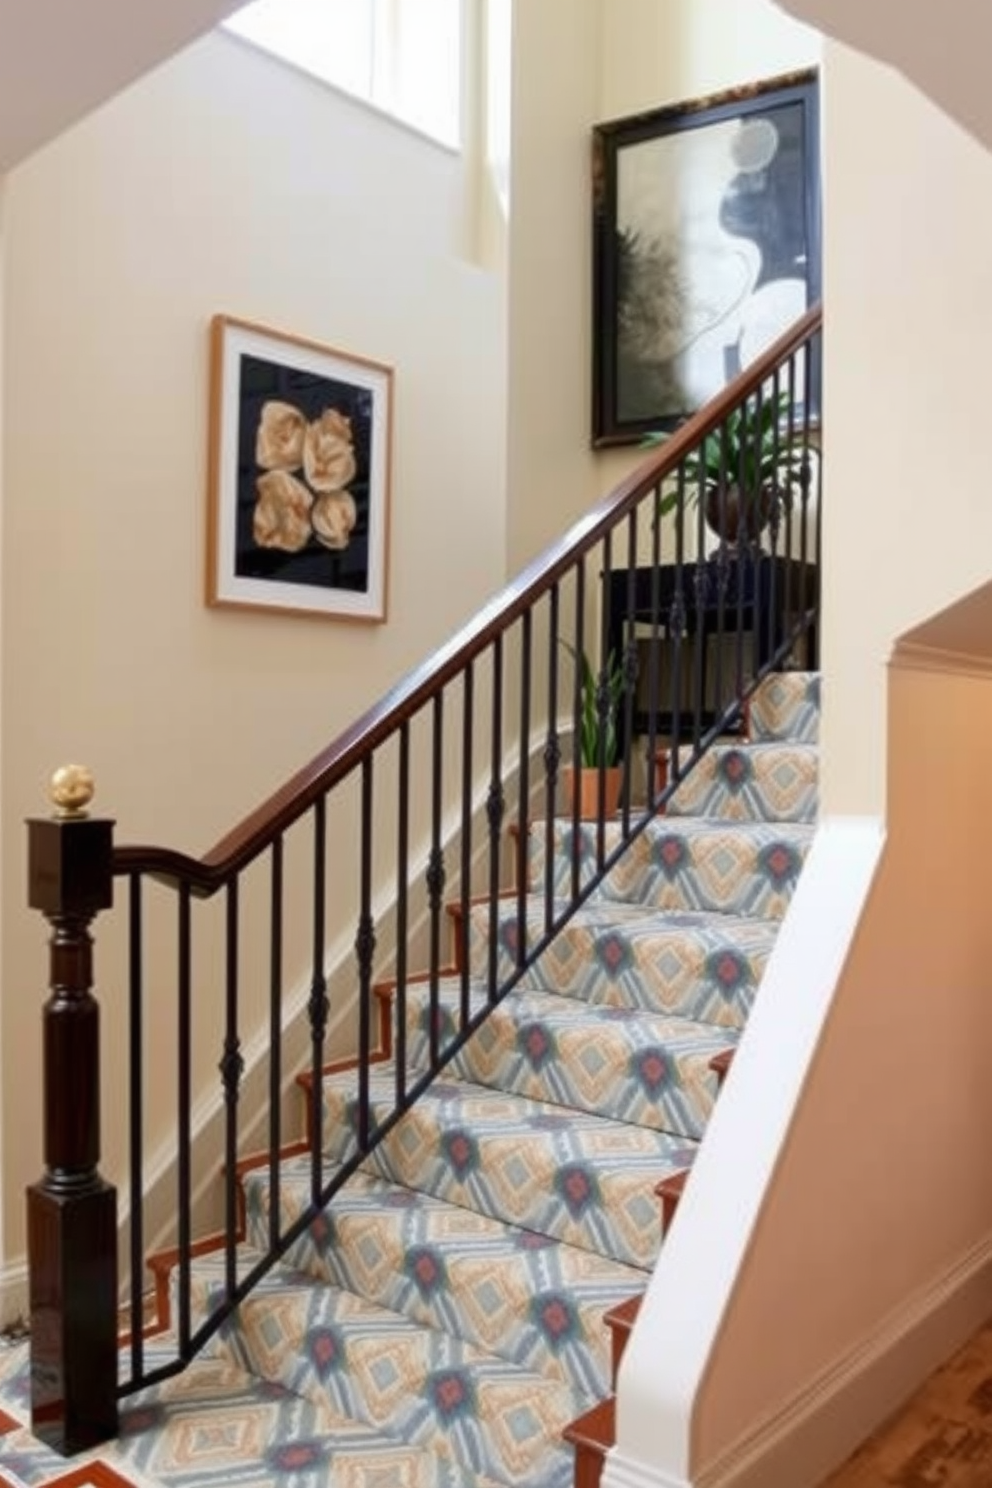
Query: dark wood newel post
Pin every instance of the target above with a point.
(72, 1212)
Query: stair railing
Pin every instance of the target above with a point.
(693, 621)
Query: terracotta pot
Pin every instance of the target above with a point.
(588, 789)
(724, 515)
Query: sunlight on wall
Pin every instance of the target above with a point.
(401, 55)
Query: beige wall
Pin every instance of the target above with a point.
(908, 522)
(554, 99)
(877, 1222)
(223, 182)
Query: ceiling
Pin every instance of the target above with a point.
(943, 49)
(61, 58)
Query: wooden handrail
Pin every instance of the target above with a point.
(334, 763)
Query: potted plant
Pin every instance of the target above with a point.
(597, 738)
(740, 469)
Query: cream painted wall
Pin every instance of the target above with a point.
(223, 182)
(908, 521)
(550, 481)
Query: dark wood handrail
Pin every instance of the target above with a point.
(334, 763)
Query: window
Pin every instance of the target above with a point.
(402, 55)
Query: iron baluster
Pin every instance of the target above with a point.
(523, 805)
(468, 750)
(231, 1067)
(136, 1123)
(275, 1036)
(365, 943)
(402, 912)
(436, 879)
(317, 1005)
(495, 810)
(552, 763)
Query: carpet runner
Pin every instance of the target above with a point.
(442, 1322)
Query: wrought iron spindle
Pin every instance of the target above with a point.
(402, 911)
(317, 1005)
(700, 610)
(136, 1121)
(739, 564)
(805, 482)
(755, 509)
(365, 954)
(552, 763)
(465, 901)
(722, 574)
(232, 1066)
(495, 810)
(579, 652)
(523, 805)
(788, 544)
(605, 706)
(677, 620)
(775, 515)
(654, 653)
(630, 673)
(275, 1034)
(436, 877)
(184, 1176)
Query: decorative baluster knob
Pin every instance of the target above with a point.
(71, 790)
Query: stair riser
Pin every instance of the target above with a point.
(557, 1173)
(655, 1073)
(676, 867)
(786, 707)
(532, 1301)
(751, 784)
(420, 1386)
(704, 971)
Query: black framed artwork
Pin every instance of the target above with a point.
(706, 247)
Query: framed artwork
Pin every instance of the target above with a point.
(299, 468)
(706, 247)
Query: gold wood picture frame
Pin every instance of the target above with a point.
(299, 475)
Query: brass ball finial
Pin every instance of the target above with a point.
(71, 790)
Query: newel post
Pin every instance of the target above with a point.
(72, 1212)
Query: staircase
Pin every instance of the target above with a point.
(455, 1317)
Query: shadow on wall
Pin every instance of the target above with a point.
(944, 54)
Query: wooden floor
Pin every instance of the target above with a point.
(943, 1438)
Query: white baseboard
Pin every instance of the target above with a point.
(823, 1424)
(13, 1292)
(624, 1472)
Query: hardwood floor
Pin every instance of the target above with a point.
(943, 1437)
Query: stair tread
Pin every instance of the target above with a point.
(583, 1178)
(774, 780)
(700, 964)
(647, 1068)
(216, 1423)
(415, 1382)
(536, 1300)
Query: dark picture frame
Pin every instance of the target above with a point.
(299, 475)
(706, 247)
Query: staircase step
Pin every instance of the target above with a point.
(787, 706)
(751, 782)
(419, 1385)
(215, 1424)
(533, 1300)
(620, 1320)
(619, 1062)
(592, 1436)
(576, 1177)
(688, 964)
(742, 868)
